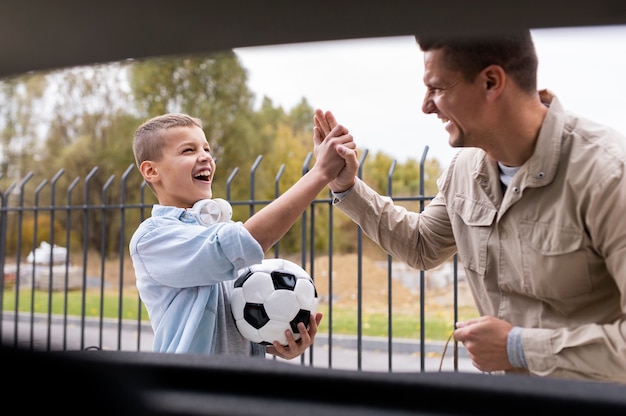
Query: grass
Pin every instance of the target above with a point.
(438, 326)
(94, 305)
(438, 323)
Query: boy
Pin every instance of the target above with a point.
(185, 267)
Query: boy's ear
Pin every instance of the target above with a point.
(148, 171)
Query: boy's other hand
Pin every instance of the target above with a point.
(295, 348)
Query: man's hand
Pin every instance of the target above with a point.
(485, 340)
(295, 348)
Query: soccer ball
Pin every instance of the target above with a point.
(270, 297)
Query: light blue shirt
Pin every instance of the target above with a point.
(184, 272)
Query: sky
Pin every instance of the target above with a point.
(374, 86)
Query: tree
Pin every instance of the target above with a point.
(91, 128)
(22, 101)
(210, 87)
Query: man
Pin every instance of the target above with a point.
(533, 203)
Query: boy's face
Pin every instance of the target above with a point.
(184, 174)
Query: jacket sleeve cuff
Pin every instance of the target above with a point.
(515, 348)
(538, 350)
(340, 196)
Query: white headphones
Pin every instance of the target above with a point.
(210, 211)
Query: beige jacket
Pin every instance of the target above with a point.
(549, 256)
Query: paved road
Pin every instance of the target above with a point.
(342, 353)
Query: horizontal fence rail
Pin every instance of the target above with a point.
(67, 283)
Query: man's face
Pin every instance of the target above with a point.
(184, 174)
(457, 102)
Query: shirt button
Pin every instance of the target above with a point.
(515, 189)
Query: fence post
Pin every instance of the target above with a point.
(88, 179)
(359, 290)
(279, 174)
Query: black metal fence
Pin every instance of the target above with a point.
(57, 291)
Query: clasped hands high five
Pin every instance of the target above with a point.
(327, 132)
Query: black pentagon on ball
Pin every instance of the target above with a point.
(243, 277)
(302, 316)
(283, 280)
(255, 315)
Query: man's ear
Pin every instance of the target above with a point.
(148, 171)
(494, 79)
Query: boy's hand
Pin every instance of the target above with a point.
(332, 151)
(326, 130)
(295, 348)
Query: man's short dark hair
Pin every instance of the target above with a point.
(514, 52)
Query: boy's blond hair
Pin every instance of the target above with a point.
(149, 139)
